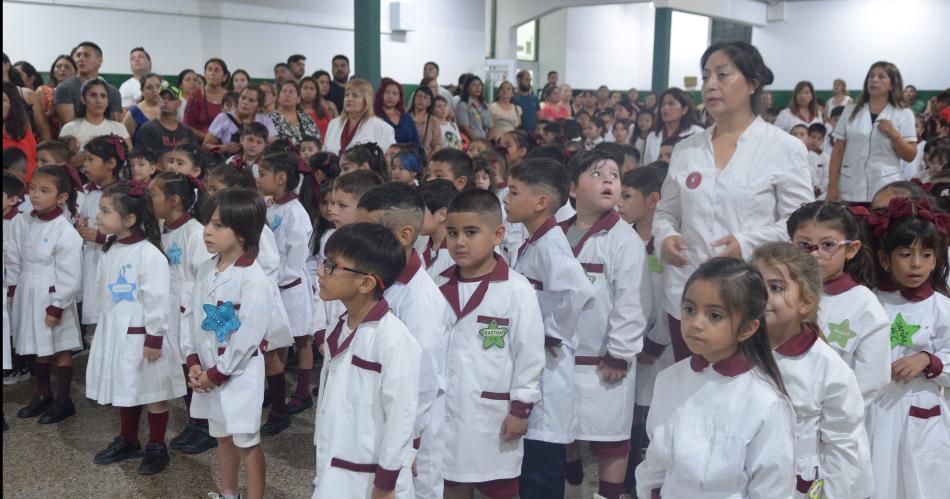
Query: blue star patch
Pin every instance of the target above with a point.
(122, 289)
(174, 254)
(276, 223)
(221, 320)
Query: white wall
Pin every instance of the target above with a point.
(552, 46)
(689, 37)
(609, 45)
(823, 40)
(185, 33)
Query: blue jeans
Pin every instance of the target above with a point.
(542, 470)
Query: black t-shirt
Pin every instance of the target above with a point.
(336, 95)
(156, 138)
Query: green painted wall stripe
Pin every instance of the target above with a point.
(366, 40)
(662, 27)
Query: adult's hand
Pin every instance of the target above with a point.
(673, 251)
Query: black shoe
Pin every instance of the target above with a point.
(315, 392)
(199, 442)
(57, 412)
(266, 403)
(182, 438)
(118, 450)
(298, 404)
(156, 459)
(35, 407)
(275, 424)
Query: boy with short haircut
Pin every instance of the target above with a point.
(52, 152)
(253, 143)
(818, 159)
(144, 164)
(361, 453)
(638, 201)
(14, 163)
(495, 354)
(453, 165)
(666, 148)
(536, 189)
(611, 333)
(436, 195)
(416, 300)
(309, 146)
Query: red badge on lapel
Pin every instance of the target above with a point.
(694, 179)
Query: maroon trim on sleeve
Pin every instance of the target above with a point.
(935, 368)
(615, 363)
(652, 348)
(550, 341)
(215, 376)
(192, 360)
(385, 479)
(152, 341)
(55, 312)
(520, 409)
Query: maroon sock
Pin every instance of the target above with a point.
(574, 472)
(610, 490)
(157, 424)
(42, 380)
(277, 391)
(64, 380)
(303, 383)
(129, 423)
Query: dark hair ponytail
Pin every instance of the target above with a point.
(66, 182)
(189, 190)
(748, 61)
(370, 153)
(743, 292)
(107, 147)
(838, 217)
(298, 174)
(132, 198)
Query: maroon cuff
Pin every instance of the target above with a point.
(216, 377)
(11, 290)
(550, 341)
(385, 479)
(520, 409)
(54, 312)
(192, 360)
(154, 341)
(935, 368)
(319, 337)
(416, 442)
(100, 238)
(652, 348)
(615, 363)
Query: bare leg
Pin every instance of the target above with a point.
(255, 469)
(229, 463)
(462, 491)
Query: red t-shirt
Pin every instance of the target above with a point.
(200, 112)
(28, 145)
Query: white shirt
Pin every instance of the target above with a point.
(766, 180)
(786, 120)
(292, 229)
(651, 148)
(372, 130)
(131, 91)
(818, 165)
(85, 131)
(870, 161)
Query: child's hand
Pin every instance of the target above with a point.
(151, 354)
(645, 358)
(383, 494)
(909, 367)
(53, 321)
(194, 375)
(205, 382)
(513, 427)
(88, 234)
(609, 374)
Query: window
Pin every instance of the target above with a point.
(527, 41)
(725, 31)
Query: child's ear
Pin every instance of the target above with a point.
(461, 182)
(543, 203)
(405, 235)
(61, 198)
(499, 235)
(851, 250)
(884, 258)
(367, 285)
(280, 178)
(441, 215)
(573, 192)
(749, 329)
(129, 221)
(653, 200)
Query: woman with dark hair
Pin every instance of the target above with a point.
(323, 88)
(471, 113)
(388, 106)
(239, 81)
(149, 108)
(204, 103)
(802, 108)
(872, 137)
(32, 79)
(16, 127)
(312, 103)
(292, 123)
(677, 119)
(551, 108)
(428, 127)
(63, 68)
(224, 133)
(188, 81)
(730, 187)
(94, 95)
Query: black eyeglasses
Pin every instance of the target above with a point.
(826, 247)
(329, 267)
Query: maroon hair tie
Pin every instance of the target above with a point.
(138, 188)
(197, 183)
(74, 177)
(119, 146)
(303, 167)
(901, 207)
(925, 186)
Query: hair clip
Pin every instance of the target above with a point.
(119, 146)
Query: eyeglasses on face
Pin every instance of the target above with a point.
(329, 267)
(826, 247)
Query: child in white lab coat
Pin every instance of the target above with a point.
(432, 246)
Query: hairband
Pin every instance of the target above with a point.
(74, 178)
(925, 186)
(901, 207)
(138, 188)
(119, 146)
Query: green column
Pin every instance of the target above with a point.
(661, 48)
(366, 40)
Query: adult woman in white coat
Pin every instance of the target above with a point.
(872, 137)
(801, 110)
(356, 123)
(732, 186)
(677, 118)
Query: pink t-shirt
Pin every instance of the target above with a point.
(553, 113)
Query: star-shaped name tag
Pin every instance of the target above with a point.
(174, 254)
(840, 333)
(221, 320)
(122, 289)
(493, 334)
(902, 333)
(276, 223)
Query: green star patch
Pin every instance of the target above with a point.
(654, 265)
(493, 335)
(840, 333)
(902, 333)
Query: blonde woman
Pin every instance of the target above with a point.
(357, 124)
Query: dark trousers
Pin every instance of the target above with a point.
(542, 470)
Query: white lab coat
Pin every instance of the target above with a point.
(656, 338)
(417, 301)
(91, 251)
(870, 161)
(515, 233)
(818, 165)
(564, 291)
(291, 225)
(7, 345)
(44, 265)
(611, 330)
(436, 260)
(494, 360)
(831, 443)
(718, 432)
(909, 424)
(133, 283)
(766, 180)
(786, 120)
(235, 364)
(367, 407)
(651, 148)
(183, 242)
(278, 329)
(372, 130)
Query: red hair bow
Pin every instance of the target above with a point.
(74, 177)
(859, 212)
(197, 183)
(900, 207)
(119, 146)
(138, 188)
(303, 167)
(926, 186)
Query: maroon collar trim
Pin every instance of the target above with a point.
(502, 185)
(245, 260)
(606, 222)
(10, 214)
(450, 288)
(428, 255)
(412, 266)
(546, 227)
(918, 294)
(132, 238)
(92, 186)
(840, 284)
(800, 343)
(333, 340)
(286, 198)
(49, 215)
(651, 246)
(178, 222)
(731, 367)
